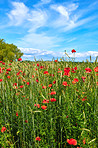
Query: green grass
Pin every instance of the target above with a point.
(68, 117)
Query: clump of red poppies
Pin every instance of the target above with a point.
(72, 141)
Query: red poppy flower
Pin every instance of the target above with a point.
(45, 101)
(7, 72)
(37, 105)
(3, 63)
(28, 83)
(44, 87)
(20, 59)
(67, 69)
(8, 77)
(21, 86)
(18, 73)
(53, 93)
(54, 82)
(96, 69)
(16, 113)
(75, 68)
(1, 80)
(65, 83)
(32, 76)
(24, 80)
(73, 82)
(3, 129)
(1, 70)
(73, 71)
(38, 64)
(59, 71)
(0, 61)
(50, 85)
(83, 78)
(20, 78)
(45, 72)
(76, 80)
(88, 70)
(52, 99)
(14, 84)
(44, 107)
(37, 80)
(84, 99)
(9, 69)
(38, 139)
(73, 51)
(72, 141)
(26, 121)
(41, 67)
(52, 75)
(84, 142)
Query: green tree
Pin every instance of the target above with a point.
(9, 51)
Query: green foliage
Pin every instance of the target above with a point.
(72, 115)
(9, 51)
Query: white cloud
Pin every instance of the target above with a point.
(73, 39)
(27, 56)
(42, 2)
(38, 52)
(62, 10)
(31, 18)
(65, 20)
(31, 52)
(72, 7)
(18, 14)
(45, 1)
(39, 41)
(74, 24)
(69, 18)
(85, 54)
(37, 18)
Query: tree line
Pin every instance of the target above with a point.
(9, 51)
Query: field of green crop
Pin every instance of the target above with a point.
(48, 104)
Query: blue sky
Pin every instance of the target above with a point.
(45, 28)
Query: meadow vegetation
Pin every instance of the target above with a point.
(47, 104)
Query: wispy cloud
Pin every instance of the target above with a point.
(19, 14)
(42, 2)
(85, 54)
(69, 18)
(73, 39)
(40, 41)
(62, 10)
(37, 19)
